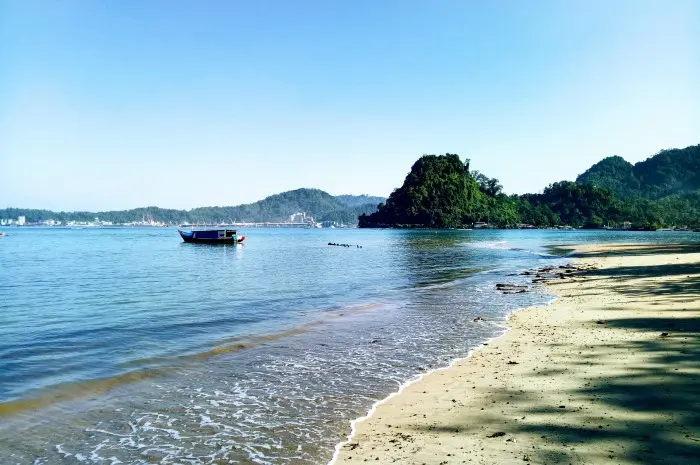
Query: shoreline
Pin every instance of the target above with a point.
(418, 378)
(451, 414)
(402, 387)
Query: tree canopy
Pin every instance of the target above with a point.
(669, 172)
(441, 192)
(438, 192)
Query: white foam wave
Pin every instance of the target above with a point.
(502, 245)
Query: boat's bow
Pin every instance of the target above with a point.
(186, 235)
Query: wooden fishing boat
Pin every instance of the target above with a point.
(211, 236)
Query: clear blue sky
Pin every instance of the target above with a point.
(118, 104)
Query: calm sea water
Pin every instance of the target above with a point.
(129, 346)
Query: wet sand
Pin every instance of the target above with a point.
(609, 373)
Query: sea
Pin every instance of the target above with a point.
(128, 346)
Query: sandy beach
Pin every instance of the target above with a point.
(609, 373)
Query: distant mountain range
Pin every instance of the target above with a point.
(359, 200)
(279, 207)
(669, 172)
(441, 191)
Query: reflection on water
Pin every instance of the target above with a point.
(437, 257)
(273, 349)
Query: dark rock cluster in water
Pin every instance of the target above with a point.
(561, 272)
(511, 288)
(344, 245)
(541, 275)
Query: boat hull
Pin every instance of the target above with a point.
(214, 237)
(191, 240)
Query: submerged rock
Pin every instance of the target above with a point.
(508, 287)
(511, 288)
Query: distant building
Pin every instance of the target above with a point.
(299, 217)
(626, 225)
(480, 225)
(21, 220)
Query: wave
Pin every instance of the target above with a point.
(504, 245)
(154, 367)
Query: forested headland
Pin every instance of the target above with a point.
(441, 191)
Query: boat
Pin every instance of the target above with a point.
(3, 234)
(211, 236)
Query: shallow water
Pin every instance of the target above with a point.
(129, 346)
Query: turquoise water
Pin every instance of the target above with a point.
(127, 345)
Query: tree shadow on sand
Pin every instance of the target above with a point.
(631, 250)
(681, 283)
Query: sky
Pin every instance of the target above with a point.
(178, 104)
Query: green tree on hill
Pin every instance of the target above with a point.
(438, 192)
(669, 172)
(614, 173)
(576, 204)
